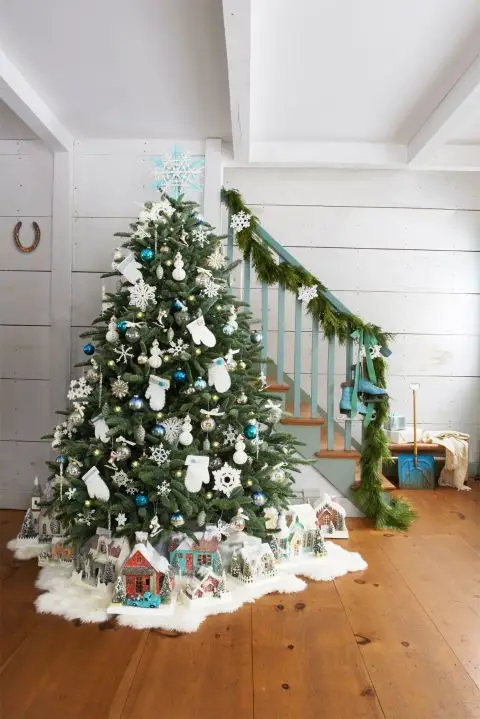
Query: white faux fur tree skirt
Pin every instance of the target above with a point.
(67, 598)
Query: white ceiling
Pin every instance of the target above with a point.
(362, 83)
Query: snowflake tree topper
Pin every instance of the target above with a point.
(176, 171)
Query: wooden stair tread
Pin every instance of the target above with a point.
(305, 417)
(274, 386)
(421, 447)
(387, 486)
(338, 454)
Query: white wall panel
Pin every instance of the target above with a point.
(26, 185)
(20, 463)
(87, 296)
(10, 256)
(25, 352)
(356, 188)
(93, 241)
(367, 227)
(25, 409)
(25, 298)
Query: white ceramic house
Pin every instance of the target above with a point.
(330, 517)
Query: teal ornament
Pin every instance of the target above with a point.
(158, 430)
(177, 305)
(122, 326)
(258, 498)
(147, 254)
(141, 500)
(60, 459)
(89, 349)
(177, 519)
(250, 431)
(199, 384)
(228, 330)
(136, 403)
(179, 375)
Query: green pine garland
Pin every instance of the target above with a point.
(397, 513)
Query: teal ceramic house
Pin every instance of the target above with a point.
(188, 554)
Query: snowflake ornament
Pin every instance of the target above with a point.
(200, 236)
(121, 479)
(217, 260)
(210, 289)
(240, 221)
(176, 172)
(227, 478)
(375, 351)
(124, 353)
(71, 492)
(173, 428)
(121, 519)
(178, 348)
(159, 454)
(141, 294)
(86, 518)
(230, 435)
(161, 208)
(131, 489)
(306, 293)
(141, 233)
(163, 489)
(79, 389)
(119, 388)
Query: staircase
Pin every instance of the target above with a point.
(305, 371)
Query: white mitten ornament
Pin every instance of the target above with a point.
(240, 456)
(157, 386)
(96, 487)
(218, 375)
(101, 428)
(178, 273)
(200, 332)
(112, 335)
(130, 269)
(186, 436)
(155, 359)
(197, 473)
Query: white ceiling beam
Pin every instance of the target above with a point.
(237, 22)
(448, 115)
(16, 92)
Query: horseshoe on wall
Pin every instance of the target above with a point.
(18, 242)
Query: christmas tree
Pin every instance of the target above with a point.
(170, 387)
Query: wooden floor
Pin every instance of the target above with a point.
(400, 640)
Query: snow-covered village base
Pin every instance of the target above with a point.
(178, 584)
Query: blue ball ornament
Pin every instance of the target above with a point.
(179, 375)
(228, 330)
(147, 254)
(200, 219)
(141, 500)
(136, 403)
(199, 384)
(122, 326)
(259, 498)
(177, 519)
(60, 459)
(89, 349)
(158, 430)
(250, 431)
(177, 305)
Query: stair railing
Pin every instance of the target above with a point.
(278, 352)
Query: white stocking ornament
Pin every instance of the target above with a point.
(130, 269)
(157, 386)
(200, 332)
(96, 487)
(101, 428)
(218, 375)
(197, 473)
(240, 456)
(186, 436)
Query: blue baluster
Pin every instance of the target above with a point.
(230, 239)
(348, 376)
(247, 269)
(331, 394)
(281, 333)
(264, 324)
(314, 376)
(297, 358)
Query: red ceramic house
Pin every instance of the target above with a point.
(145, 570)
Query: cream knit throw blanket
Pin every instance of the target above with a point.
(455, 471)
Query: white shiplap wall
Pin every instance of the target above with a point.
(26, 195)
(400, 249)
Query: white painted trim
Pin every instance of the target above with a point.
(448, 115)
(212, 205)
(60, 285)
(16, 92)
(129, 146)
(237, 22)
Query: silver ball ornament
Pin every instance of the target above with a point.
(123, 452)
(208, 424)
(132, 334)
(228, 330)
(256, 337)
(142, 359)
(242, 398)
